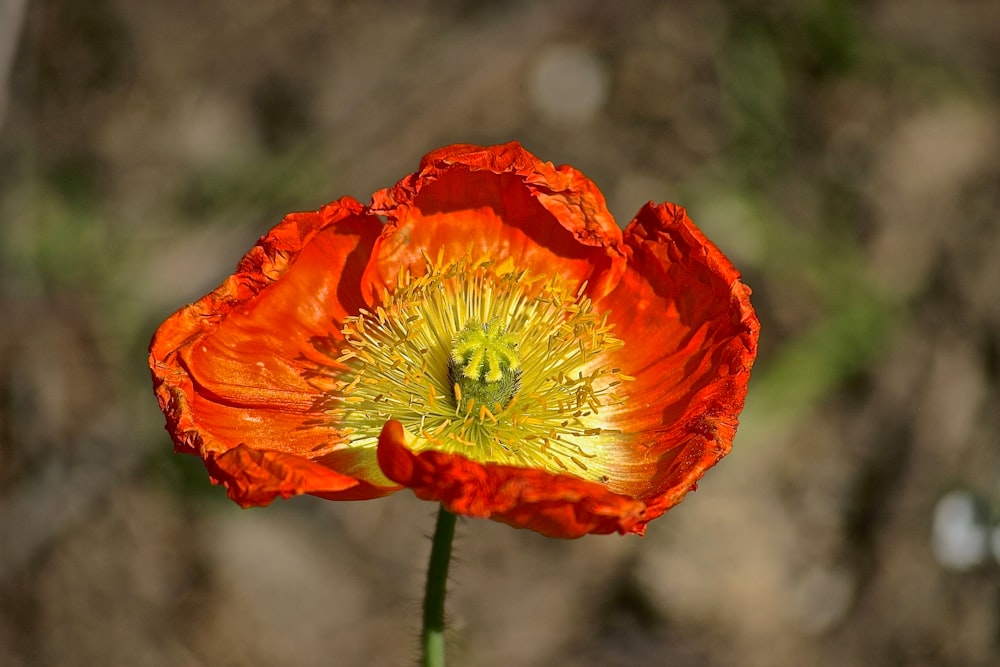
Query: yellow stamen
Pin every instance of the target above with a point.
(487, 362)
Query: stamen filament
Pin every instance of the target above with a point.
(484, 361)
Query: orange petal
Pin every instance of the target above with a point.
(242, 375)
(553, 505)
(256, 477)
(496, 203)
(690, 340)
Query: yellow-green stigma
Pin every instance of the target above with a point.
(485, 361)
(485, 364)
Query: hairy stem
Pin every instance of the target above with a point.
(434, 594)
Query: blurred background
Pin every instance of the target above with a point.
(846, 155)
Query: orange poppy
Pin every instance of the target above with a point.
(482, 333)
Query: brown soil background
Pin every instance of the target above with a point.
(845, 154)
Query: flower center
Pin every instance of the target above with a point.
(522, 382)
(485, 364)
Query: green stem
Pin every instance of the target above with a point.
(437, 580)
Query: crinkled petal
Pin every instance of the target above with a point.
(690, 338)
(498, 203)
(256, 477)
(553, 505)
(242, 375)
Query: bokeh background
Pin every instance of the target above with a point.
(845, 154)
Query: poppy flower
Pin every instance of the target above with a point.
(482, 333)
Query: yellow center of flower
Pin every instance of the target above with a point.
(484, 361)
(485, 364)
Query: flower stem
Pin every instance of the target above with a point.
(437, 580)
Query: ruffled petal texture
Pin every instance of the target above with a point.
(553, 505)
(254, 379)
(240, 373)
(690, 341)
(497, 203)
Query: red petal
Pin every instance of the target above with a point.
(690, 340)
(554, 505)
(256, 477)
(242, 374)
(496, 202)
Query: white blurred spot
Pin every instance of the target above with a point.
(958, 537)
(207, 128)
(733, 224)
(995, 543)
(633, 190)
(822, 598)
(568, 83)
